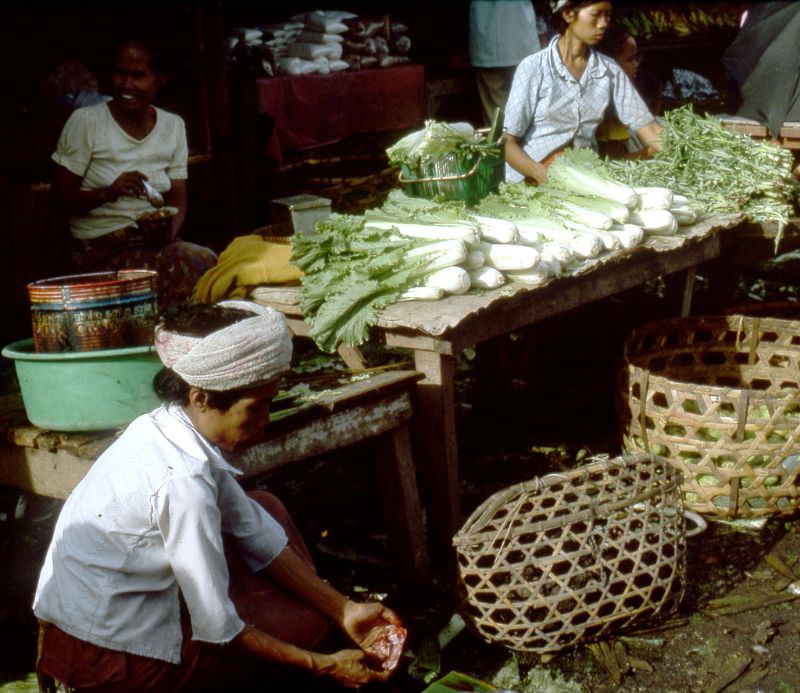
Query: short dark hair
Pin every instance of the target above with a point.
(557, 20)
(160, 60)
(614, 39)
(163, 58)
(196, 320)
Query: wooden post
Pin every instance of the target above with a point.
(398, 482)
(437, 451)
(688, 291)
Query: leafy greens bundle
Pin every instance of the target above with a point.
(719, 170)
(351, 272)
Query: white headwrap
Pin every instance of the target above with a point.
(557, 5)
(251, 351)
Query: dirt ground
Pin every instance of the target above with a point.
(547, 404)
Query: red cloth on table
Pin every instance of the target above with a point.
(314, 110)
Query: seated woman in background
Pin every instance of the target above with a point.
(613, 138)
(106, 156)
(560, 95)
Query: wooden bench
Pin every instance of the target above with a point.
(374, 411)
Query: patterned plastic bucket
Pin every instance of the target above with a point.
(86, 312)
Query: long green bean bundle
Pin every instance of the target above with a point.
(719, 170)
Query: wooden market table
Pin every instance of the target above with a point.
(437, 331)
(374, 411)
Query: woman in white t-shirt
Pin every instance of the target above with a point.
(107, 156)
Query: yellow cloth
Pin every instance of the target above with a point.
(612, 130)
(248, 261)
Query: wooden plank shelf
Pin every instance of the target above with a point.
(374, 411)
(788, 137)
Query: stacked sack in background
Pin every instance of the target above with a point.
(319, 46)
(320, 42)
(261, 49)
(375, 42)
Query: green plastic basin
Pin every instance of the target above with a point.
(85, 390)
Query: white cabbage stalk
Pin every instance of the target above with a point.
(496, 230)
(438, 255)
(684, 214)
(584, 182)
(451, 280)
(531, 277)
(629, 235)
(474, 260)
(654, 197)
(609, 241)
(487, 278)
(422, 293)
(583, 246)
(509, 256)
(655, 221)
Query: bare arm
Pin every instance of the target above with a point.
(352, 667)
(650, 134)
(520, 161)
(74, 200)
(357, 620)
(177, 197)
(348, 667)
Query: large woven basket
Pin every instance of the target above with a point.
(563, 558)
(719, 397)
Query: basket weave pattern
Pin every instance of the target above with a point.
(719, 396)
(547, 563)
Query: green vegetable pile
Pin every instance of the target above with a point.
(401, 207)
(350, 274)
(439, 141)
(719, 170)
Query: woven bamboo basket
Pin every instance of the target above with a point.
(719, 396)
(548, 563)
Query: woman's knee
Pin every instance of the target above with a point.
(272, 504)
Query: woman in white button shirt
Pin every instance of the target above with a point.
(560, 94)
(163, 574)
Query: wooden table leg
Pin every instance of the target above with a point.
(688, 291)
(437, 450)
(352, 357)
(398, 481)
